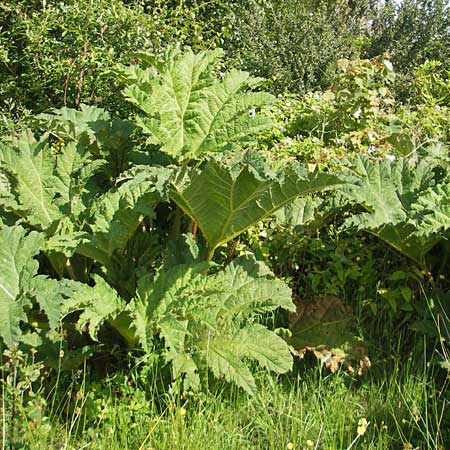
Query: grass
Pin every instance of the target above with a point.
(310, 408)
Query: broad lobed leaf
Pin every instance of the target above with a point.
(188, 110)
(225, 201)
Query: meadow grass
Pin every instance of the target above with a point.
(403, 402)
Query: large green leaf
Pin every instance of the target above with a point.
(41, 186)
(92, 129)
(226, 200)
(398, 199)
(252, 287)
(29, 165)
(190, 111)
(386, 189)
(17, 267)
(97, 304)
(51, 295)
(226, 355)
(433, 208)
(73, 124)
(73, 169)
(207, 321)
(117, 214)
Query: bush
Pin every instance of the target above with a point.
(58, 53)
(296, 43)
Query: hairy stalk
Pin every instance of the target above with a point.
(81, 76)
(3, 418)
(13, 412)
(194, 230)
(230, 251)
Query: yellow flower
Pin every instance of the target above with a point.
(309, 443)
(362, 426)
(407, 446)
(361, 430)
(362, 422)
(182, 412)
(290, 446)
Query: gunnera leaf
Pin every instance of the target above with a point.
(188, 109)
(117, 214)
(17, 268)
(97, 304)
(29, 165)
(225, 200)
(207, 321)
(403, 206)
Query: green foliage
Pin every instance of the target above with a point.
(188, 110)
(18, 268)
(21, 286)
(97, 303)
(354, 113)
(295, 44)
(359, 114)
(55, 54)
(398, 204)
(29, 167)
(413, 31)
(241, 195)
(105, 222)
(208, 321)
(432, 83)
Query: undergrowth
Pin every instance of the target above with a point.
(404, 403)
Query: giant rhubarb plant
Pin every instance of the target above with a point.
(84, 226)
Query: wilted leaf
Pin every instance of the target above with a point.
(325, 327)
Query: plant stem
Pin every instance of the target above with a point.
(70, 270)
(210, 255)
(176, 226)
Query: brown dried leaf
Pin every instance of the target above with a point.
(325, 327)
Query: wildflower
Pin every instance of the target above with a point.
(357, 113)
(388, 65)
(361, 430)
(290, 446)
(390, 157)
(182, 412)
(362, 426)
(309, 443)
(287, 142)
(407, 446)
